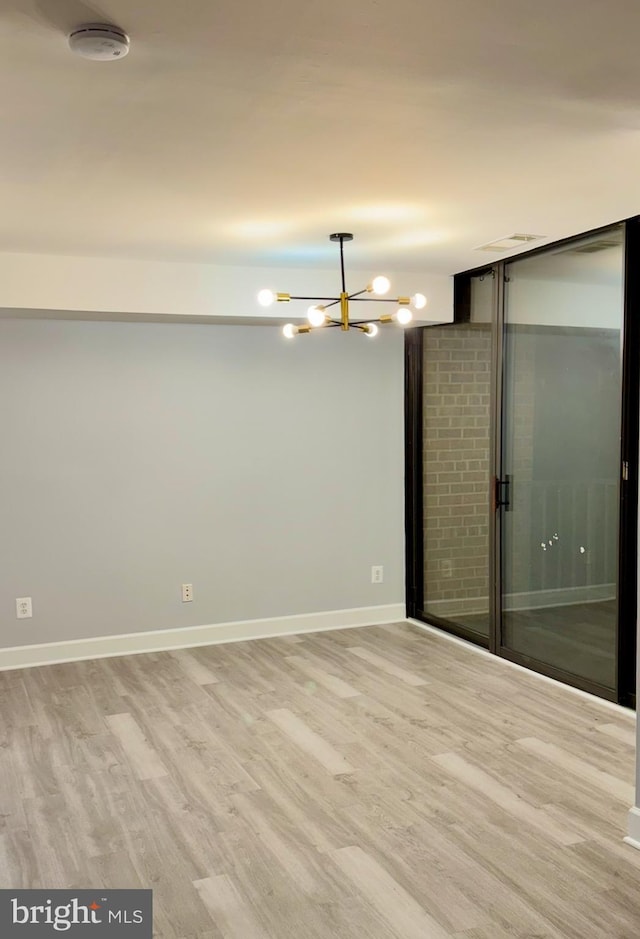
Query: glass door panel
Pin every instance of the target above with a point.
(456, 447)
(561, 456)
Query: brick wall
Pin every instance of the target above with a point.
(456, 468)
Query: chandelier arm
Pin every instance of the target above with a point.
(358, 293)
(315, 298)
(359, 323)
(376, 299)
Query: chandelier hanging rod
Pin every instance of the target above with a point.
(317, 313)
(341, 237)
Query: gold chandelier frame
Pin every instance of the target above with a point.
(321, 319)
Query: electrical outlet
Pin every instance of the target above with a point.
(377, 574)
(23, 607)
(446, 566)
(187, 593)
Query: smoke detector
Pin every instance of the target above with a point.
(100, 42)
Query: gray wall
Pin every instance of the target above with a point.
(137, 457)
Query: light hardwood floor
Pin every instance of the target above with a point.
(377, 783)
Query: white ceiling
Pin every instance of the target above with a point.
(244, 131)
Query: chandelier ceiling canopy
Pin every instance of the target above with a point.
(319, 318)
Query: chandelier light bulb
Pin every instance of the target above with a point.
(266, 297)
(289, 331)
(316, 315)
(403, 315)
(371, 330)
(419, 301)
(380, 285)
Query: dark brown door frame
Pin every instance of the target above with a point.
(628, 546)
(414, 489)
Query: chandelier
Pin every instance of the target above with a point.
(319, 317)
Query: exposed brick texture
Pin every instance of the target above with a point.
(456, 468)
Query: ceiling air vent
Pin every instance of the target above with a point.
(604, 244)
(509, 243)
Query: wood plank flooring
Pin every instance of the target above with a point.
(378, 783)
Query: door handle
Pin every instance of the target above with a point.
(501, 493)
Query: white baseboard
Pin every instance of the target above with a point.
(163, 640)
(633, 827)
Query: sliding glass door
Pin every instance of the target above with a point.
(561, 421)
(522, 518)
